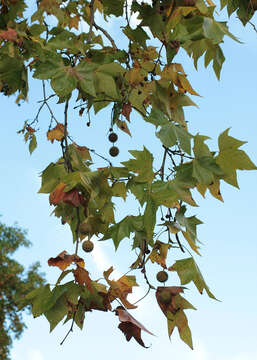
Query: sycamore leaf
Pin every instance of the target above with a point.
(159, 253)
(188, 271)
(32, 144)
(82, 277)
(120, 288)
(172, 305)
(179, 320)
(56, 133)
(126, 110)
(230, 158)
(119, 189)
(63, 260)
(141, 165)
(57, 194)
(120, 231)
(130, 326)
(123, 126)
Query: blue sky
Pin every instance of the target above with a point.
(221, 330)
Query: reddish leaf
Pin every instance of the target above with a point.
(72, 197)
(82, 277)
(168, 306)
(30, 129)
(57, 194)
(130, 326)
(126, 110)
(10, 34)
(56, 133)
(63, 260)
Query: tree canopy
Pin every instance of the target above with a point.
(15, 284)
(88, 71)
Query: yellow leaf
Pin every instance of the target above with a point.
(202, 189)
(56, 134)
(214, 189)
(191, 243)
(159, 253)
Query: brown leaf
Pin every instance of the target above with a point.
(130, 326)
(72, 197)
(120, 288)
(56, 133)
(10, 34)
(170, 306)
(81, 110)
(123, 126)
(82, 277)
(63, 260)
(57, 194)
(126, 110)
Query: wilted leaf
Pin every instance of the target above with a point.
(57, 194)
(159, 253)
(130, 326)
(82, 277)
(63, 260)
(126, 110)
(56, 133)
(120, 288)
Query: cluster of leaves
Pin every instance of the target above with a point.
(15, 284)
(141, 78)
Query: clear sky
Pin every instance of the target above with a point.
(223, 330)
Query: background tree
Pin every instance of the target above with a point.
(142, 78)
(15, 284)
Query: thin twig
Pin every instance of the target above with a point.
(149, 288)
(91, 20)
(106, 34)
(70, 330)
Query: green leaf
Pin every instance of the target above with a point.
(84, 74)
(205, 169)
(64, 82)
(141, 165)
(150, 217)
(188, 271)
(51, 177)
(120, 231)
(113, 7)
(179, 320)
(119, 189)
(57, 312)
(170, 134)
(137, 35)
(32, 144)
(230, 158)
(157, 118)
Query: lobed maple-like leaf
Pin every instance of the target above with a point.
(81, 275)
(56, 133)
(63, 260)
(120, 288)
(159, 253)
(188, 271)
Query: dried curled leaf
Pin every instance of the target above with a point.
(130, 326)
(120, 288)
(82, 277)
(71, 197)
(56, 133)
(159, 253)
(126, 110)
(63, 260)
